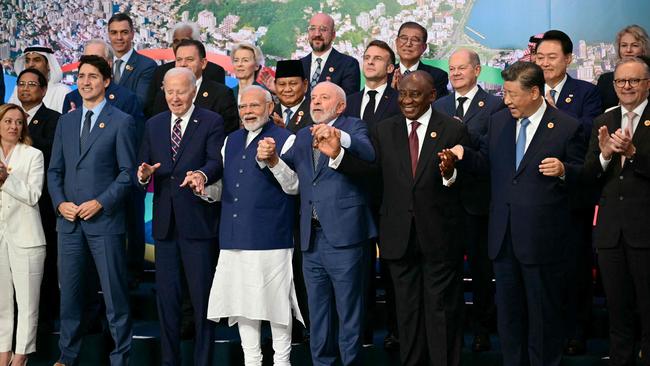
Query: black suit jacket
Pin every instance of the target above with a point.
(475, 190)
(211, 96)
(300, 119)
(386, 108)
(212, 72)
(341, 69)
(624, 190)
(440, 78)
(435, 209)
(606, 90)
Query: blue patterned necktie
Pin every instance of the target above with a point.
(287, 118)
(314, 79)
(521, 141)
(553, 93)
(177, 136)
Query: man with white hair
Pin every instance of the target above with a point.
(42, 59)
(254, 279)
(335, 221)
(181, 151)
(181, 31)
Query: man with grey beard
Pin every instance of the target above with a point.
(254, 279)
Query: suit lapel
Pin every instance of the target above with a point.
(401, 143)
(129, 68)
(101, 123)
(330, 66)
(539, 138)
(192, 126)
(203, 96)
(565, 98)
(449, 105)
(35, 126)
(383, 103)
(478, 102)
(432, 138)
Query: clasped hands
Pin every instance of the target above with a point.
(325, 138)
(84, 211)
(618, 142)
(193, 179)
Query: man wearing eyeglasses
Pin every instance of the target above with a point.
(618, 163)
(411, 42)
(581, 100)
(325, 63)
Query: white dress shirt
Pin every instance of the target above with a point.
(366, 98)
(535, 119)
(314, 64)
(470, 96)
(558, 88)
(32, 112)
(125, 58)
(624, 123)
(413, 68)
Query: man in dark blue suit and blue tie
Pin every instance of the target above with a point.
(581, 100)
(335, 223)
(181, 151)
(89, 177)
(325, 63)
(473, 106)
(533, 154)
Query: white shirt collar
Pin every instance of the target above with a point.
(125, 57)
(294, 108)
(32, 112)
(470, 96)
(403, 68)
(380, 90)
(198, 86)
(424, 119)
(323, 57)
(638, 110)
(535, 118)
(185, 118)
(558, 87)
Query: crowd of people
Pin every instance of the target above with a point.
(271, 199)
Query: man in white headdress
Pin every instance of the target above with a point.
(42, 59)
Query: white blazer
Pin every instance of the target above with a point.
(20, 193)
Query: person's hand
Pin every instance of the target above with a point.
(267, 79)
(68, 210)
(447, 163)
(552, 167)
(89, 209)
(195, 181)
(549, 99)
(623, 143)
(327, 139)
(145, 171)
(73, 106)
(605, 143)
(267, 152)
(397, 76)
(278, 120)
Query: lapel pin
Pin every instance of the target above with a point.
(36, 122)
(481, 104)
(331, 69)
(458, 119)
(647, 122)
(571, 95)
(9, 169)
(550, 125)
(111, 96)
(568, 100)
(300, 114)
(205, 94)
(102, 125)
(129, 67)
(434, 134)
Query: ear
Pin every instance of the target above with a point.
(107, 81)
(204, 63)
(390, 68)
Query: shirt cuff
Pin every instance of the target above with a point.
(144, 182)
(449, 182)
(205, 177)
(603, 162)
(212, 192)
(334, 163)
(346, 140)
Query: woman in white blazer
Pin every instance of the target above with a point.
(22, 243)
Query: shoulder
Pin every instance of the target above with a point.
(611, 114)
(342, 57)
(564, 119)
(49, 114)
(446, 120)
(30, 151)
(431, 69)
(116, 114)
(205, 115)
(444, 100)
(143, 60)
(71, 116)
(356, 96)
(581, 85)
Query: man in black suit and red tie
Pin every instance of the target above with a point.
(411, 42)
(618, 163)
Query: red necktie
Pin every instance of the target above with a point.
(414, 148)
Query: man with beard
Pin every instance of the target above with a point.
(325, 63)
(335, 222)
(42, 59)
(291, 87)
(180, 150)
(253, 280)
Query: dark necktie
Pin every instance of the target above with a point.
(85, 130)
(177, 136)
(117, 73)
(521, 142)
(460, 111)
(317, 72)
(407, 72)
(288, 113)
(369, 111)
(414, 147)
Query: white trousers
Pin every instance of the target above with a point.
(21, 269)
(250, 334)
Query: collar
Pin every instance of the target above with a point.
(198, 83)
(380, 90)
(185, 116)
(536, 118)
(294, 108)
(403, 68)
(32, 112)
(125, 57)
(470, 94)
(424, 119)
(96, 111)
(558, 87)
(323, 57)
(638, 109)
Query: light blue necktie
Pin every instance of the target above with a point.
(317, 72)
(521, 141)
(553, 93)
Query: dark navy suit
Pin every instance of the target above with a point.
(386, 106)
(341, 69)
(185, 227)
(102, 171)
(333, 245)
(475, 197)
(528, 233)
(137, 75)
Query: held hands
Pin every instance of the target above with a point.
(85, 211)
(447, 163)
(327, 139)
(552, 167)
(196, 181)
(145, 171)
(266, 152)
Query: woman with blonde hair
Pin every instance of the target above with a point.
(22, 242)
(247, 60)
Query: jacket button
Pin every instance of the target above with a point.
(620, 177)
(237, 185)
(514, 181)
(243, 157)
(173, 178)
(620, 198)
(234, 215)
(314, 184)
(236, 199)
(241, 171)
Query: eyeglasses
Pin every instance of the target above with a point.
(620, 83)
(405, 39)
(28, 84)
(321, 29)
